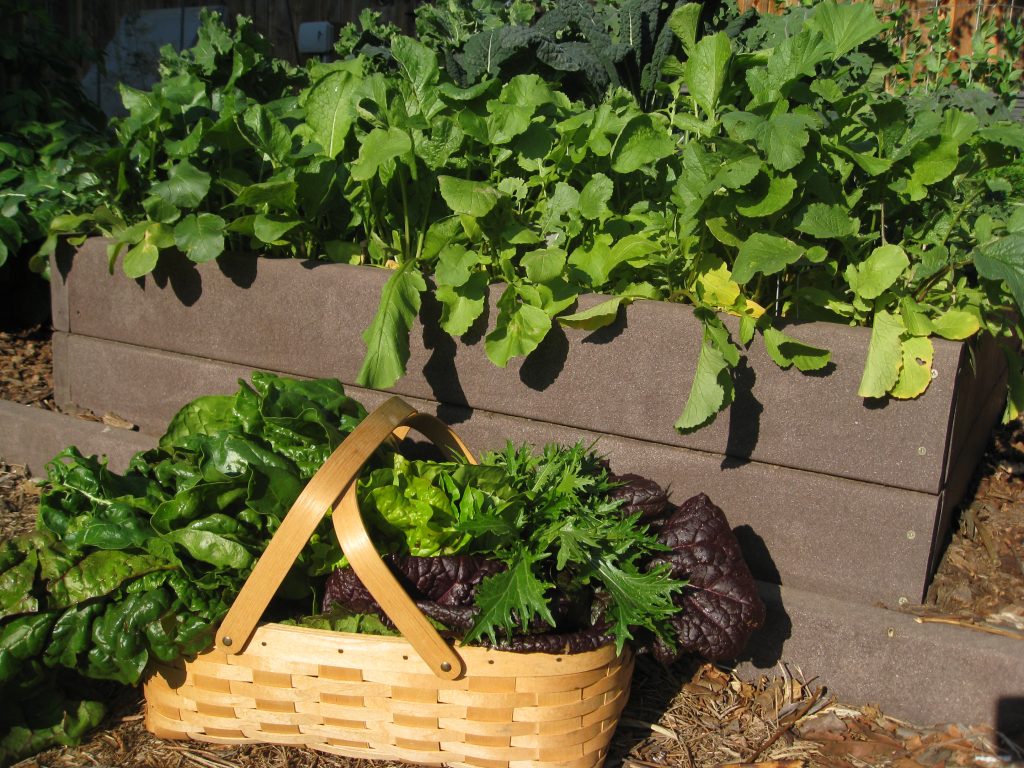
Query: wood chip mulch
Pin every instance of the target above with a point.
(980, 581)
(26, 367)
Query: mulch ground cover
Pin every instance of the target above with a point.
(688, 716)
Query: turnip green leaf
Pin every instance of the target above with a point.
(916, 372)
(642, 143)
(956, 324)
(200, 236)
(141, 259)
(827, 221)
(270, 229)
(544, 265)
(1004, 260)
(461, 305)
(914, 317)
(378, 147)
(387, 338)
(707, 69)
(766, 254)
(712, 388)
(845, 26)
(787, 351)
(186, 186)
(885, 356)
(519, 329)
(454, 265)
(878, 271)
(330, 108)
(593, 201)
(597, 316)
(769, 198)
(471, 198)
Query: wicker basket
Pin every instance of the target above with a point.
(414, 698)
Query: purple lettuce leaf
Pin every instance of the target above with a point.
(640, 496)
(721, 606)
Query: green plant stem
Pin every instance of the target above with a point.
(407, 237)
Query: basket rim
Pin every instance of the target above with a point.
(606, 650)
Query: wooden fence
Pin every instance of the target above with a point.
(963, 16)
(279, 20)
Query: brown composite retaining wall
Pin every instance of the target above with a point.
(841, 506)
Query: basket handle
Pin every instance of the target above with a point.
(337, 478)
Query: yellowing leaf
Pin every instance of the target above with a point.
(717, 288)
(956, 324)
(916, 374)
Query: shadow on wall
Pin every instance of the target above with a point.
(764, 650)
(1010, 725)
(744, 418)
(181, 275)
(440, 371)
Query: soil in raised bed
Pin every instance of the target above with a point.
(692, 714)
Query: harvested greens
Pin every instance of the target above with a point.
(543, 552)
(552, 552)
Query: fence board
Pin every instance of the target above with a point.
(97, 20)
(964, 16)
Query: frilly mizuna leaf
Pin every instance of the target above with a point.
(515, 592)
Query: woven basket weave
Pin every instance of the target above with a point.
(415, 697)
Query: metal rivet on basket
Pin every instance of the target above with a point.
(226, 640)
(446, 667)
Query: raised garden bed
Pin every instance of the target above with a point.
(838, 505)
(834, 495)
